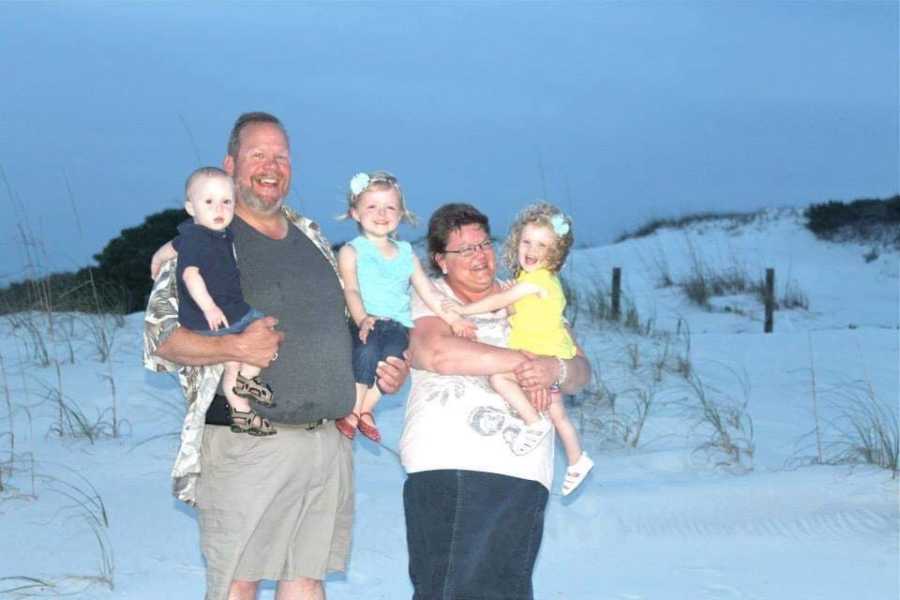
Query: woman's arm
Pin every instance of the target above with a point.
(434, 348)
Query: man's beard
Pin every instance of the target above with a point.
(256, 204)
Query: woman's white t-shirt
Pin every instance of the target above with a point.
(459, 422)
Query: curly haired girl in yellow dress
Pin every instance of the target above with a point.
(535, 251)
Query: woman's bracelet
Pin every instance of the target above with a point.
(563, 373)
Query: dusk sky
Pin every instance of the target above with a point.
(617, 111)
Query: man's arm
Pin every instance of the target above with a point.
(257, 346)
(435, 348)
(165, 253)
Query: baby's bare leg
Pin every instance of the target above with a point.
(229, 378)
(506, 385)
(564, 428)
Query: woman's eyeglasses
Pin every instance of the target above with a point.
(469, 251)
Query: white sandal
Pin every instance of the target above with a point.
(576, 473)
(530, 436)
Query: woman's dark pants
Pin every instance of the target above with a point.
(472, 535)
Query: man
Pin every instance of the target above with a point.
(278, 507)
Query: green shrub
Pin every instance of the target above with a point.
(859, 218)
(119, 284)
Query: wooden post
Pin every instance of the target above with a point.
(770, 301)
(616, 293)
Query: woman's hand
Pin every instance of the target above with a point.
(538, 372)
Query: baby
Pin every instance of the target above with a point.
(209, 288)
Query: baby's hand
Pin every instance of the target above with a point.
(365, 326)
(464, 328)
(215, 318)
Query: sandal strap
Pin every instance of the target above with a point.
(250, 422)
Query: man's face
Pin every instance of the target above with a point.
(472, 276)
(262, 168)
(211, 202)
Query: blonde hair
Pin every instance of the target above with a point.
(379, 181)
(541, 214)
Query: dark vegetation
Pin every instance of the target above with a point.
(120, 283)
(650, 227)
(866, 219)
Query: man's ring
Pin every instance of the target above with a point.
(274, 357)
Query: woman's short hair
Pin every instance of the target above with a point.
(447, 219)
(545, 214)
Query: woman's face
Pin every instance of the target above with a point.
(472, 277)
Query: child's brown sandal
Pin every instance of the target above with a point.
(253, 389)
(250, 422)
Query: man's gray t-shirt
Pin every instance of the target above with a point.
(292, 281)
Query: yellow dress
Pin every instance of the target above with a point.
(537, 325)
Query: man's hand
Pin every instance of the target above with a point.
(258, 344)
(215, 318)
(392, 373)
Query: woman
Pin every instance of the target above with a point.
(474, 510)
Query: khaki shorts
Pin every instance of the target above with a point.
(277, 507)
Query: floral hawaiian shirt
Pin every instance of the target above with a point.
(198, 383)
